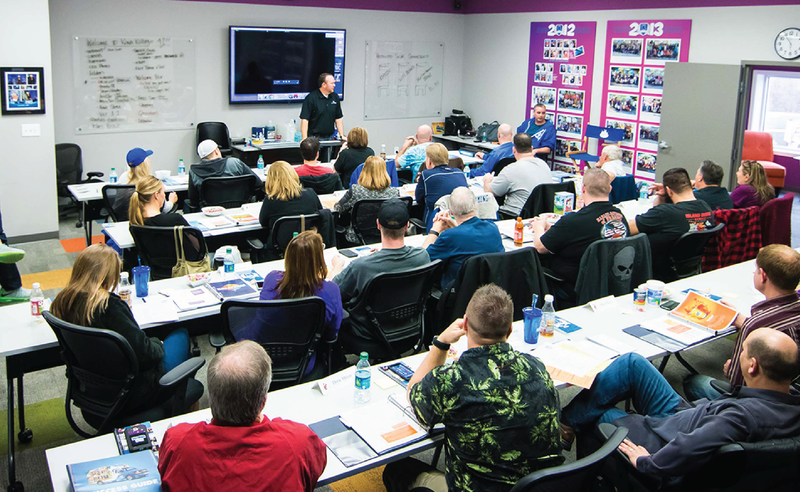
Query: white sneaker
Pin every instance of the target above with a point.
(20, 293)
(9, 254)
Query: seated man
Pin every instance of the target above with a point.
(394, 256)
(777, 273)
(10, 281)
(611, 161)
(671, 437)
(455, 240)
(240, 449)
(309, 149)
(708, 186)
(212, 165)
(412, 153)
(502, 151)
(499, 406)
(569, 238)
(517, 180)
(675, 212)
(542, 132)
(437, 180)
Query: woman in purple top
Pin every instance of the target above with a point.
(753, 189)
(304, 277)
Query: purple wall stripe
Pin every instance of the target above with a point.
(427, 6)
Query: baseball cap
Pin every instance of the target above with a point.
(206, 147)
(137, 156)
(393, 214)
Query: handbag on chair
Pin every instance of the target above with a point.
(182, 266)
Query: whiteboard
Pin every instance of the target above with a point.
(133, 84)
(403, 79)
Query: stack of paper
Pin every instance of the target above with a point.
(574, 362)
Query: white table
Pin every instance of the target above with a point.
(464, 142)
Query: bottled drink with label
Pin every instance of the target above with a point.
(519, 227)
(37, 300)
(260, 163)
(363, 378)
(181, 167)
(228, 261)
(112, 178)
(383, 151)
(124, 289)
(548, 325)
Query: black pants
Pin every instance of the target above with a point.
(9, 274)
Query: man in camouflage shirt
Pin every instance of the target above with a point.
(499, 407)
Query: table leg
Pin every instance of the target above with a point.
(25, 434)
(663, 363)
(87, 224)
(685, 364)
(12, 472)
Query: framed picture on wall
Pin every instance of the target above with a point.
(23, 90)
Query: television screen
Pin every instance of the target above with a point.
(272, 64)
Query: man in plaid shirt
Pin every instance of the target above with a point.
(776, 275)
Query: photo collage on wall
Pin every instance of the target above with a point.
(560, 78)
(22, 91)
(636, 53)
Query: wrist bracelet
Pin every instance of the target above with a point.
(440, 345)
(435, 233)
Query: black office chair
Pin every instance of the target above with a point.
(405, 176)
(623, 188)
(365, 215)
(102, 368)
(117, 200)
(324, 184)
(227, 191)
(290, 330)
(392, 307)
(156, 247)
(502, 163)
(542, 198)
(284, 228)
(69, 170)
(578, 475)
(216, 131)
(686, 255)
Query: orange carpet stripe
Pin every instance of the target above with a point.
(54, 279)
(78, 244)
(369, 481)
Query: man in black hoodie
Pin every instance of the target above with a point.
(213, 165)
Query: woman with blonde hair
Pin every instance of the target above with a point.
(146, 204)
(355, 154)
(138, 161)
(89, 300)
(285, 195)
(753, 189)
(373, 184)
(304, 276)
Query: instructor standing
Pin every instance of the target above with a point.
(321, 110)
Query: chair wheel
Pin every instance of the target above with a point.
(25, 436)
(79, 224)
(15, 487)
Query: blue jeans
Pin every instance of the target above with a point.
(9, 274)
(699, 386)
(176, 349)
(629, 376)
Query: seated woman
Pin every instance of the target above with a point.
(146, 204)
(285, 196)
(356, 153)
(138, 168)
(373, 184)
(753, 189)
(88, 300)
(304, 277)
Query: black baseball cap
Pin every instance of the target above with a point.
(393, 214)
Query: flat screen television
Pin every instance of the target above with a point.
(282, 65)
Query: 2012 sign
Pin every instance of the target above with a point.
(646, 29)
(561, 30)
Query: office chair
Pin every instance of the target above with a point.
(216, 131)
(623, 188)
(69, 171)
(364, 218)
(117, 200)
(502, 163)
(686, 255)
(156, 247)
(324, 184)
(542, 198)
(102, 368)
(227, 191)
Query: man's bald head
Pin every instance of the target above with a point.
(238, 380)
(775, 352)
(424, 133)
(504, 133)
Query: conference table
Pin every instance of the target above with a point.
(454, 142)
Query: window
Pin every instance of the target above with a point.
(775, 108)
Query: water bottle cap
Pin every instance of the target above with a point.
(113, 169)
(364, 355)
(229, 250)
(36, 286)
(548, 298)
(123, 275)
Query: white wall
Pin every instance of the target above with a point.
(208, 24)
(496, 60)
(27, 165)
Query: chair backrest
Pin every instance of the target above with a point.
(391, 169)
(405, 176)
(324, 184)
(227, 191)
(456, 163)
(613, 267)
(156, 247)
(603, 133)
(117, 200)
(395, 304)
(577, 475)
(738, 242)
(623, 188)
(776, 221)
(101, 368)
(289, 330)
(757, 146)
(364, 216)
(502, 163)
(284, 228)
(69, 164)
(542, 198)
(686, 255)
(216, 131)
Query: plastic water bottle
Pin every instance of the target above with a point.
(643, 191)
(298, 135)
(383, 151)
(228, 261)
(291, 129)
(270, 130)
(260, 164)
(466, 171)
(363, 378)
(181, 167)
(37, 304)
(483, 137)
(124, 289)
(548, 326)
(112, 178)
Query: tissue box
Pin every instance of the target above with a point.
(563, 203)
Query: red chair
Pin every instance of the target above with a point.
(739, 241)
(776, 221)
(758, 147)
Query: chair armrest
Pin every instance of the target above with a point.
(256, 243)
(183, 371)
(188, 208)
(94, 174)
(552, 276)
(217, 339)
(720, 385)
(421, 227)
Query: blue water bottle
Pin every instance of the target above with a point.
(363, 378)
(260, 163)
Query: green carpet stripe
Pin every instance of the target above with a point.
(46, 419)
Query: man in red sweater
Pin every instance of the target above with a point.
(240, 449)
(309, 149)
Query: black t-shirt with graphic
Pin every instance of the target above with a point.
(667, 222)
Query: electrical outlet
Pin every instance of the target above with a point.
(33, 130)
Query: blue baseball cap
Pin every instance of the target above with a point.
(137, 156)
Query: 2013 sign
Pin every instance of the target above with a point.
(646, 29)
(561, 30)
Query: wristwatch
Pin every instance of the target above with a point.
(440, 345)
(434, 232)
